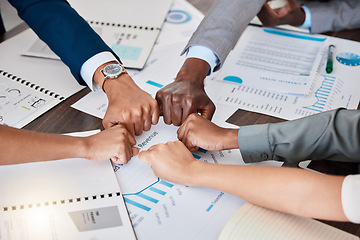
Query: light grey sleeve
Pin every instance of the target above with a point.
(223, 25)
(332, 135)
(334, 15)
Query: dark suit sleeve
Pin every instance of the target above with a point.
(63, 29)
(332, 135)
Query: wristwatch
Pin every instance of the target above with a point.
(112, 71)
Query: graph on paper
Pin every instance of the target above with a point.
(155, 204)
(329, 92)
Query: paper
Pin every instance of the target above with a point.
(256, 223)
(181, 22)
(29, 86)
(157, 208)
(329, 91)
(20, 104)
(63, 199)
(276, 60)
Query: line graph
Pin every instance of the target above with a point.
(322, 94)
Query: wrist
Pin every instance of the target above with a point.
(196, 173)
(231, 141)
(193, 70)
(120, 83)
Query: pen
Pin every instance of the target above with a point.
(329, 63)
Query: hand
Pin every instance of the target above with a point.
(171, 161)
(291, 13)
(114, 143)
(187, 94)
(197, 132)
(128, 104)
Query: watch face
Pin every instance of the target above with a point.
(113, 70)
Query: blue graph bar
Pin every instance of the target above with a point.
(142, 194)
(166, 184)
(146, 197)
(136, 204)
(322, 94)
(156, 190)
(154, 84)
(210, 207)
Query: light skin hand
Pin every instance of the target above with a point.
(128, 104)
(171, 161)
(114, 143)
(291, 13)
(186, 94)
(289, 190)
(197, 132)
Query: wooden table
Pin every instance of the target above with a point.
(64, 119)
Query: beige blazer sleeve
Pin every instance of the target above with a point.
(223, 25)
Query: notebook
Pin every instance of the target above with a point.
(252, 222)
(30, 86)
(63, 199)
(130, 28)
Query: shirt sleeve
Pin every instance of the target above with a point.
(89, 67)
(307, 22)
(205, 54)
(332, 135)
(350, 197)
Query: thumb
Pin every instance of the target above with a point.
(143, 157)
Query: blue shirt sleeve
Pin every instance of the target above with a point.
(205, 54)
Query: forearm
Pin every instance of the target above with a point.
(193, 70)
(223, 25)
(63, 29)
(22, 146)
(332, 135)
(334, 15)
(288, 190)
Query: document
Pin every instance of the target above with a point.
(63, 199)
(181, 22)
(274, 59)
(329, 91)
(28, 86)
(157, 207)
(256, 223)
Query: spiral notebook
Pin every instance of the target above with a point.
(30, 86)
(130, 28)
(63, 199)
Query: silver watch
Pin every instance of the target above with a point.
(112, 71)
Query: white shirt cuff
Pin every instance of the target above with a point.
(307, 22)
(89, 67)
(205, 54)
(350, 197)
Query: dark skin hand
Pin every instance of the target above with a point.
(291, 13)
(186, 94)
